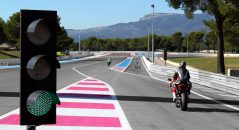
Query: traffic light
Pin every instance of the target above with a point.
(38, 67)
(165, 54)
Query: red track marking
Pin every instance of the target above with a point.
(10, 120)
(86, 105)
(87, 83)
(88, 88)
(118, 68)
(88, 121)
(72, 121)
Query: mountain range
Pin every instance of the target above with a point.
(164, 24)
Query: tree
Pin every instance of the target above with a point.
(63, 41)
(194, 40)
(124, 45)
(13, 30)
(211, 37)
(220, 9)
(91, 44)
(3, 36)
(101, 43)
(74, 46)
(211, 40)
(231, 30)
(177, 40)
(166, 42)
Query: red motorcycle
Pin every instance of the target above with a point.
(182, 92)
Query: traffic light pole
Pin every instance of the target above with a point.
(165, 55)
(152, 36)
(31, 127)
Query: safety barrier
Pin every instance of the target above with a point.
(217, 81)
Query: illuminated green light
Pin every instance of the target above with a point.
(40, 102)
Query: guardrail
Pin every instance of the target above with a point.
(217, 81)
(10, 62)
(73, 57)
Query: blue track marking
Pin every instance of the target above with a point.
(18, 66)
(10, 67)
(122, 66)
(125, 63)
(69, 61)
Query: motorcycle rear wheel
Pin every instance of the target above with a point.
(184, 102)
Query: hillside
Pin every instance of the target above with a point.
(164, 24)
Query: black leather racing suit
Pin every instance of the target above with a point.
(183, 77)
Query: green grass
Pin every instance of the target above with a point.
(9, 54)
(2, 56)
(209, 63)
(13, 53)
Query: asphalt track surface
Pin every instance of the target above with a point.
(146, 102)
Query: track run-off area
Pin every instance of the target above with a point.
(124, 95)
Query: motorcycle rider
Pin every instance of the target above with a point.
(109, 60)
(181, 76)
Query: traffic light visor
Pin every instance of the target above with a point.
(39, 67)
(39, 32)
(40, 102)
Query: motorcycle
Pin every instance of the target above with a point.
(108, 63)
(182, 92)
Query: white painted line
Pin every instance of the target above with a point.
(209, 90)
(85, 100)
(224, 95)
(199, 87)
(227, 105)
(16, 111)
(87, 86)
(216, 92)
(151, 74)
(124, 122)
(85, 92)
(86, 112)
(224, 104)
(145, 67)
(92, 81)
(74, 68)
(42, 127)
(13, 127)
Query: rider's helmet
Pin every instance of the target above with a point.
(109, 59)
(183, 64)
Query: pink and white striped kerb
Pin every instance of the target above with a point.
(89, 104)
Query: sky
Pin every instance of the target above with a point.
(83, 14)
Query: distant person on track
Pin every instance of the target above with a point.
(109, 60)
(181, 76)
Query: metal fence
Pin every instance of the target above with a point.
(217, 81)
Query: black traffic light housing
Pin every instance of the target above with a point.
(38, 67)
(165, 54)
